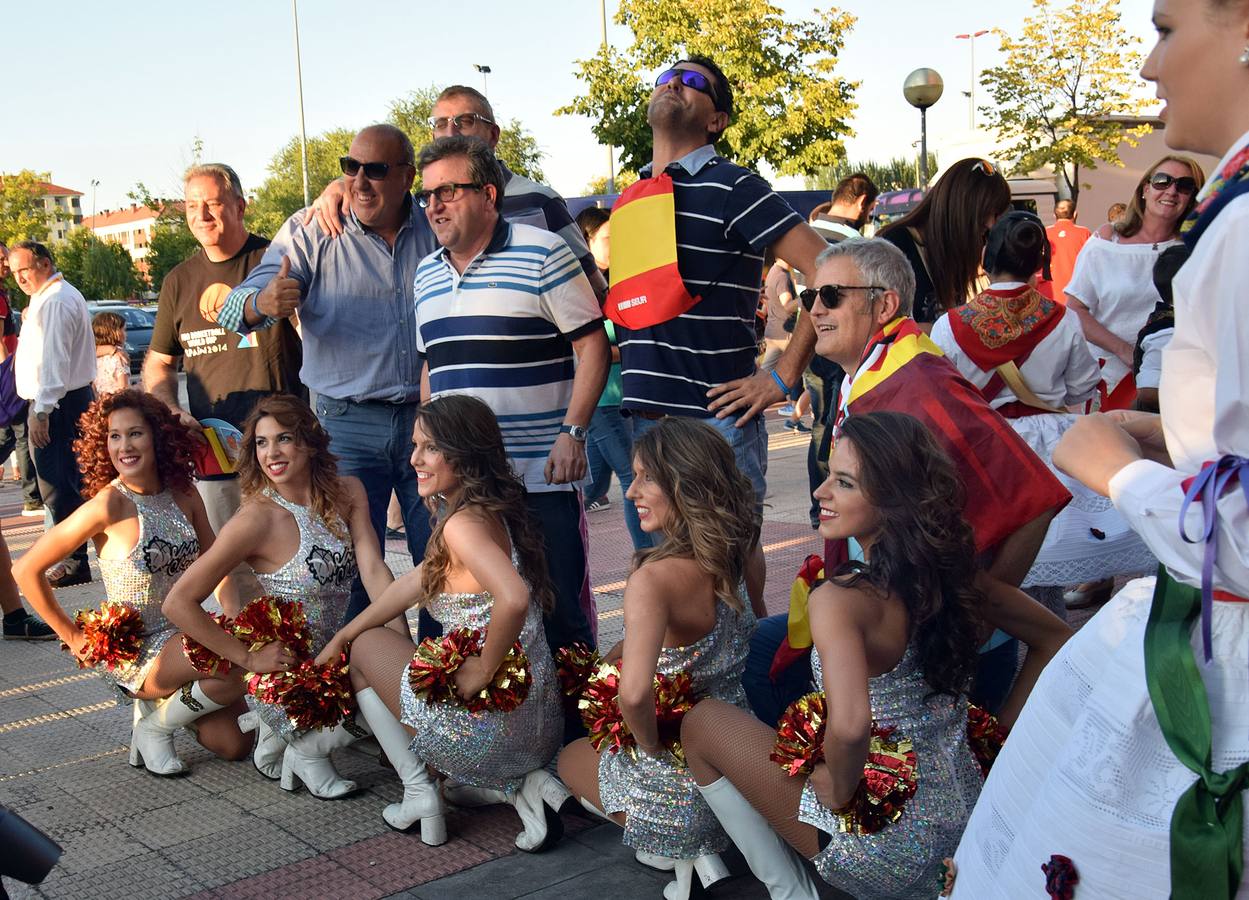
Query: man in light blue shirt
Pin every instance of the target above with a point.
(353, 297)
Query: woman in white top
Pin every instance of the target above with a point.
(1112, 287)
(1130, 755)
(1028, 356)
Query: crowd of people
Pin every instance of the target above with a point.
(982, 440)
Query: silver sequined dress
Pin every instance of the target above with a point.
(904, 859)
(489, 749)
(319, 576)
(665, 811)
(142, 578)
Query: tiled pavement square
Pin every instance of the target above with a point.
(238, 852)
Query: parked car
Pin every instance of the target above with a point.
(139, 325)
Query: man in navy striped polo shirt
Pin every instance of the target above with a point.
(726, 219)
(501, 309)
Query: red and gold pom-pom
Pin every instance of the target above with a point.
(431, 673)
(800, 735)
(574, 665)
(945, 879)
(113, 635)
(312, 696)
(1061, 877)
(600, 711)
(985, 735)
(268, 619)
(200, 657)
(889, 781)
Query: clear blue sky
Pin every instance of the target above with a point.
(118, 93)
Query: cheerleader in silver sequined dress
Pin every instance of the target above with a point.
(149, 525)
(306, 533)
(484, 568)
(684, 611)
(897, 637)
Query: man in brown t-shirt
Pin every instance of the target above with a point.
(225, 373)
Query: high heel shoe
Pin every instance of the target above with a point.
(422, 801)
(538, 803)
(307, 759)
(709, 868)
(154, 724)
(267, 757)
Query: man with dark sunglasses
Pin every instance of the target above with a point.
(353, 298)
(464, 111)
(726, 219)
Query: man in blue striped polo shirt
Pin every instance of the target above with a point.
(501, 309)
(726, 219)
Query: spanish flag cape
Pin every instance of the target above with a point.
(1006, 483)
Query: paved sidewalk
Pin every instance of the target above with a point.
(225, 831)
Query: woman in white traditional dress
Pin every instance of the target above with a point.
(1130, 758)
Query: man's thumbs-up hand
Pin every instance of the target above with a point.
(280, 297)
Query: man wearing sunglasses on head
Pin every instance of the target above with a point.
(464, 111)
(726, 217)
(353, 298)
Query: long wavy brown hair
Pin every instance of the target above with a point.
(293, 413)
(468, 436)
(1134, 216)
(714, 520)
(173, 446)
(925, 552)
(951, 220)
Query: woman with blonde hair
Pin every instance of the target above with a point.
(305, 531)
(1112, 286)
(685, 610)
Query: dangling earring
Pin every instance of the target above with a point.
(1243, 59)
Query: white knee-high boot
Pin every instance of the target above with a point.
(307, 759)
(151, 736)
(267, 757)
(421, 800)
(771, 860)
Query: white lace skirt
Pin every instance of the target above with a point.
(1086, 772)
(1089, 540)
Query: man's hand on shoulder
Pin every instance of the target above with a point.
(331, 208)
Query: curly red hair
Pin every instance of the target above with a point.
(175, 448)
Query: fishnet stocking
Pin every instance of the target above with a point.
(379, 657)
(720, 739)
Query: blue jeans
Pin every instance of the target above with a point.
(373, 442)
(749, 443)
(769, 698)
(610, 446)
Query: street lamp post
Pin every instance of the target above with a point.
(971, 39)
(484, 70)
(611, 151)
(299, 85)
(94, 184)
(922, 88)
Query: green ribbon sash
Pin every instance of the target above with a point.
(1207, 826)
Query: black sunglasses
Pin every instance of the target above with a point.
(373, 171)
(1185, 184)
(831, 294)
(691, 79)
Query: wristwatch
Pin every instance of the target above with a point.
(576, 432)
(41, 416)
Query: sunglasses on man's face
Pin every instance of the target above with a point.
(831, 294)
(373, 171)
(691, 79)
(1185, 184)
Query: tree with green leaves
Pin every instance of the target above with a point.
(599, 185)
(23, 216)
(896, 174)
(790, 109)
(282, 194)
(171, 241)
(1071, 69)
(517, 147)
(102, 271)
